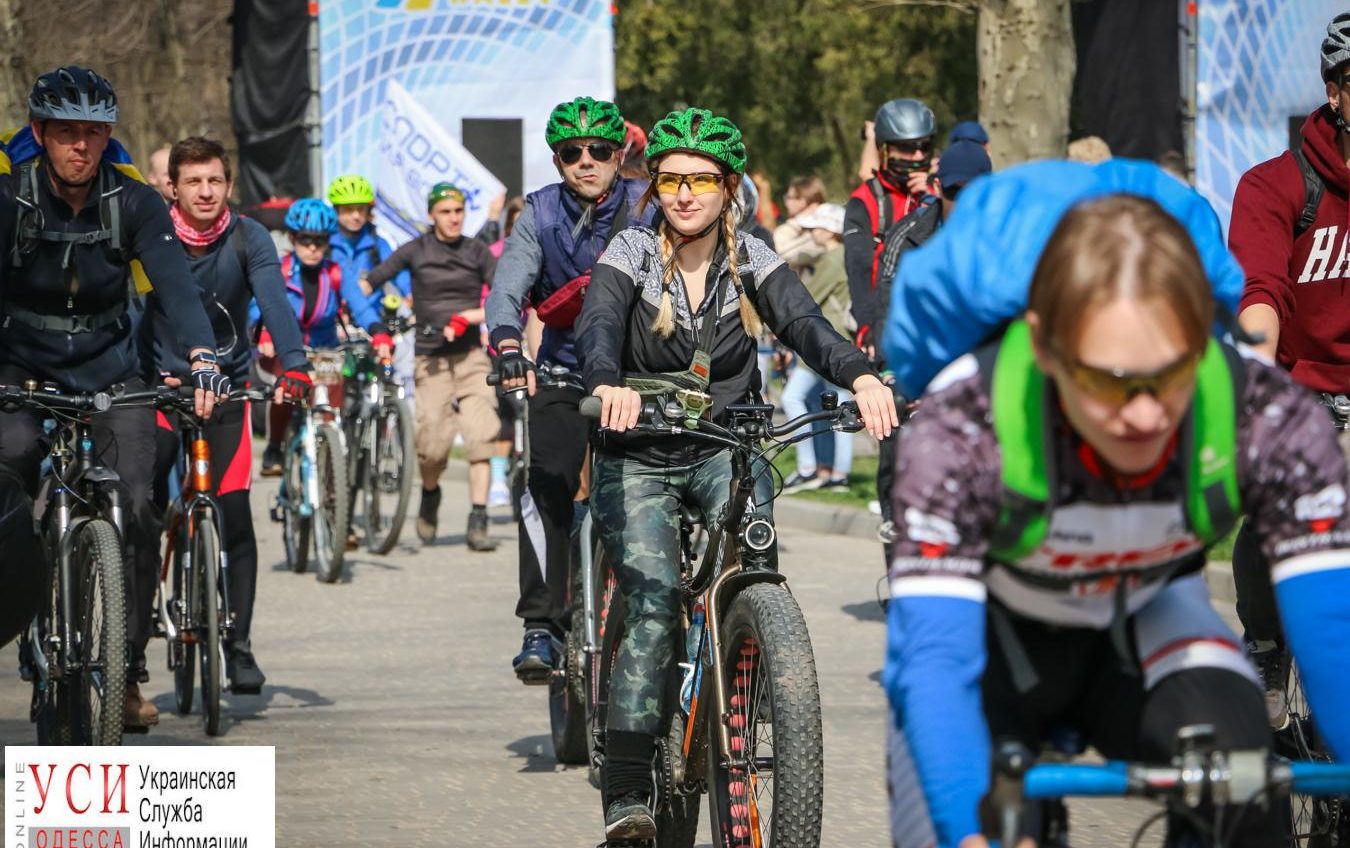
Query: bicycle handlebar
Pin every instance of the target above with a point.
(545, 377)
(1130, 780)
(160, 397)
(749, 420)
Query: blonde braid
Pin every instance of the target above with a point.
(664, 322)
(749, 315)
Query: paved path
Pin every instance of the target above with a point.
(396, 718)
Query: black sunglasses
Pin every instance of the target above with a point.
(311, 240)
(570, 154)
(911, 147)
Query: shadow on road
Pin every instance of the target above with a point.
(537, 751)
(865, 611)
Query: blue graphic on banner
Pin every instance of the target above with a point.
(458, 59)
(1258, 68)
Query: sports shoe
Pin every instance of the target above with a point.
(426, 515)
(271, 461)
(538, 657)
(834, 483)
(138, 714)
(1272, 664)
(243, 672)
(477, 536)
(629, 817)
(799, 482)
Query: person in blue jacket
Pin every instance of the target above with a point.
(356, 246)
(318, 291)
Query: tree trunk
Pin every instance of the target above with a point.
(1026, 55)
(13, 86)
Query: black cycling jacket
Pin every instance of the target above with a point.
(615, 339)
(95, 282)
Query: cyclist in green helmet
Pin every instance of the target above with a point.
(546, 261)
(683, 302)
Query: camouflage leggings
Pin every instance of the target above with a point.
(637, 507)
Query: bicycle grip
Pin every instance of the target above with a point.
(590, 407)
(494, 379)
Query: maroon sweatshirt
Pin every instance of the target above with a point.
(1305, 279)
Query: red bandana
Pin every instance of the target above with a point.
(193, 237)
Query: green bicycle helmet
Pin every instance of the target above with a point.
(585, 117)
(698, 131)
(350, 189)
(440, 191)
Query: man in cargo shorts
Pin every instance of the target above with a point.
(453, 397)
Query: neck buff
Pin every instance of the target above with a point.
(193, 237)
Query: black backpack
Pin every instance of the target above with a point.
(1313, 189)
(893, 240)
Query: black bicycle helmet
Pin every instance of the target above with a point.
(72, 94)
(1336, 46)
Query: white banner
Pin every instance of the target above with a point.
(69, 797)
(416, 153)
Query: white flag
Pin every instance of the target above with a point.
(416, 153)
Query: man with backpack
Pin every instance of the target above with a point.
(877, 210)
(1289, 231)
(547, 262)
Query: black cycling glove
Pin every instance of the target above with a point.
(512, 365)
(212, 381)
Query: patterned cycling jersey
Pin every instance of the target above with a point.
(948, 492)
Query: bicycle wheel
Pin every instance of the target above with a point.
(1313, 822)
(206, 555)
(183, 648)
(389, 476)
(330, 513)
(296, 529)
(100, 663)
(775, 799)
(567, 694)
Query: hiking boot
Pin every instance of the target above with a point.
(477, 534)
(138, 713)
(629, 817)
(1272, 665)
(271, 461)
(426, 515)
(538, 657)
(243, 672)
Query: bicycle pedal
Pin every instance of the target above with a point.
(277, 514)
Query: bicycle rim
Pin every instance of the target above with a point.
(183, 648)
(330, 514)
(772, 794)
(389, 478)
(1314, 822)
(101, 655)
(296, 529)
(206, 552)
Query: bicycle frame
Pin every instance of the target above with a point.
(195, 499)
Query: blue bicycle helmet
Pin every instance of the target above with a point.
(311, 215)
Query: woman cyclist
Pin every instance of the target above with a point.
(1054, 499)
(683, 302)
(317, 292)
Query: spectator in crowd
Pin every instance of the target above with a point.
(157, 173)
(792, 241)
(969, 131)
(449, 271)
(1091, 150)
(828, 286)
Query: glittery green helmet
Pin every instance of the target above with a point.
(585, 117)
(698, 131)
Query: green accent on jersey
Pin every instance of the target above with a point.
(585, 117)
(1018, 400)
(700, 132)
